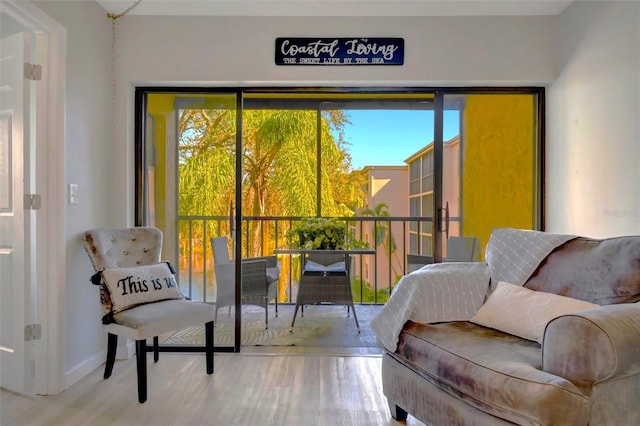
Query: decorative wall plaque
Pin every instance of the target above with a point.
(339, 51)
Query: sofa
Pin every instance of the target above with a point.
(545, 332)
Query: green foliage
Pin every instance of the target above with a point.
(382, 230)
(279, 167)
(368, 294)
(207, 143)
(322, 233)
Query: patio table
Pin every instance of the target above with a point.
(325, 284)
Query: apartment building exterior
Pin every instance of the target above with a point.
(407, 191)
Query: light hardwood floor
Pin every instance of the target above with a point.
(246, 389)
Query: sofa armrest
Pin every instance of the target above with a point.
(594, 345)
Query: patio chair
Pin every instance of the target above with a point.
(462, 249)
(325, 279)
(140, 302)
(417, 261)
(260, 277)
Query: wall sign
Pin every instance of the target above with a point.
(339, 51)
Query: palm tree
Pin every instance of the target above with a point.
(383, 235)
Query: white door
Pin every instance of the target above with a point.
(15, 221)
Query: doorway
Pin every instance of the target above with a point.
(32, 154)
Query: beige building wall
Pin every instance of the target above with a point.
(451, 187)
(388, 185)
(451, 190)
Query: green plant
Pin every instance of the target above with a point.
(382, 232)
(322, 233)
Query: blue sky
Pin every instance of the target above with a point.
(388, 137)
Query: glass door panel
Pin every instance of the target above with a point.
(189, 193)
(278, 183)
(385, 138)
(489, 170)
(339, 155)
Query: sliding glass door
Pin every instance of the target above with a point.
(186, 184)
(226, 174)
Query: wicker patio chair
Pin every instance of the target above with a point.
(325, 279)
(417, 261)
(259, 279)
(462, 249)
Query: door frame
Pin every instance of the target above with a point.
(50, 222)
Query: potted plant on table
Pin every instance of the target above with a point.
(322, 233)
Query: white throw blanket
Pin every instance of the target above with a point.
(513, 255)
(455, 291)
(434, 293)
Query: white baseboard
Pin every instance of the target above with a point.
(124, 351)
(79, 372)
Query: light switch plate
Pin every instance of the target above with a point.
(73, 194)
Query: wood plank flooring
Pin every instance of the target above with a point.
(246, 389)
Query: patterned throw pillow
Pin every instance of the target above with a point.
(525, 313)
(129, 287)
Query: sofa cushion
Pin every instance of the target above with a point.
(493, 371)
(152, 319)
(523, 312)
(311, 266)
(599, 271)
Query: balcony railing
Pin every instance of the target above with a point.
(372, 277)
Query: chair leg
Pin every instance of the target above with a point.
(112, 345)
(266, 312)
(397, 412)
(355, 317)
(156, 349)
(208, 337)
(295, 312)
(141, 360)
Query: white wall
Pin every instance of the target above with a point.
(593, 128)
(233, 51)
(88, 152)
(458, 50)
